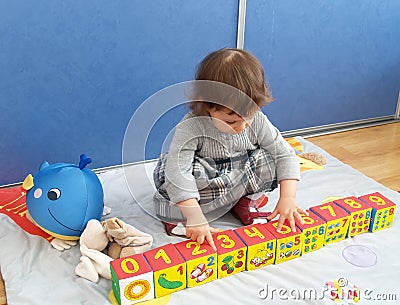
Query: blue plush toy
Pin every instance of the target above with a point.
(62, 198)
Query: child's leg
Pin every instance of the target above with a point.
(246, 209)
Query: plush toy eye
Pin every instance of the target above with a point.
(54, 194)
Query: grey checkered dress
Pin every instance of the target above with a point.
(218, 169)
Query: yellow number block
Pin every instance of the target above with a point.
(261, 245)
(360, 214)
(383, 210)
(313, 232)
(288, 245)
(201, 262)
(337, 221)
(132, 280)
(231, 253)
(169, 269)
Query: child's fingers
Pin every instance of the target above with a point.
(280, 223)
(210, 240)
(292, 223)
(298, 216)
(303, 212)
(214, 230)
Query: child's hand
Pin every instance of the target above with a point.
(288, 209)
(200, 233)
(197, 227)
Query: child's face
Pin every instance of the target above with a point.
(228, 121)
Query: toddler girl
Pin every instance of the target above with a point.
(225, 152)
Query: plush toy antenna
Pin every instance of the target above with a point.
(84, 161)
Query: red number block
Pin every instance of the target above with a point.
(132, 279)
(313, 232)
(383, 210)
(288, 245)
(201, 262)
(260, 243)
(337, 221)
(360, 214)
(231, 253)
(169, 269)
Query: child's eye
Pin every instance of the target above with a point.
(230, 122)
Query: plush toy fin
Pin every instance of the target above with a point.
(44, 165)
(28, 183)
(84, 161)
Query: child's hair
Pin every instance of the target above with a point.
(239, 69)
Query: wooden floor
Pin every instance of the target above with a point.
(374, 151)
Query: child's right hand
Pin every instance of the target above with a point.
(200, 232)
(197, 227)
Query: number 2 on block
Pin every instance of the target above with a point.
(196, 250)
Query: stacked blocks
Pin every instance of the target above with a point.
(132, 279)
(288, 244)
(169, 269)
(201, 262)
(231, 252)
(337, 221)
(313, 232)
(360, 214)
(383, 210)
(173, 267)
(260, 243)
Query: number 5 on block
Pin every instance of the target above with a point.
(201, 262)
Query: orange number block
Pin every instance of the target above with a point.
(169, 269)
(383, 210)
(288, 245)
(313, 232)
(201, 262)
(360, 214)
(337, 221)
(231, 253)
(132, 279)
(261, 245)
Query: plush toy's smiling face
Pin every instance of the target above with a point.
(64, 198)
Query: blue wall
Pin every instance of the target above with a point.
(327, 61)
(72, 73)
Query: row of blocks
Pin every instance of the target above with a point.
(173, 267)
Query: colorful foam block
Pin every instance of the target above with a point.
(260, 243)
(337, 221)
(313, 232)
(169, 269)
(360, 214)
(231, 253)
(201, 262)
(132, 279)
(383, 210)
(288, 245)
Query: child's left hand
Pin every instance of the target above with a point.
(288, 209)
